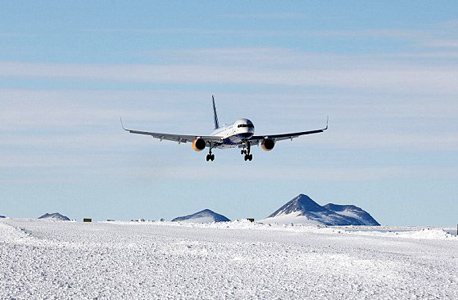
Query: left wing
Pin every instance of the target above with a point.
(254, 140)
(179, 138)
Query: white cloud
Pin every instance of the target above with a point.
(274, 172)
(54, 109)
(375, 33)
(269, 16)
(441, 43)
(434, 79)
(438, 37)
(412, 142)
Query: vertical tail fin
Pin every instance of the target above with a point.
(215, 116)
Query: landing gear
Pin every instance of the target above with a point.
(246, 151)
(210, 156)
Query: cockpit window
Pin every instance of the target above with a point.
(245, 125)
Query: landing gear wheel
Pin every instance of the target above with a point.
(210, 157)
(246, 150)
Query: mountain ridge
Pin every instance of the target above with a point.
(303, 209)
(203, 216)
(54, 216)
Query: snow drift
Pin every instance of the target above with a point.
(232, 260)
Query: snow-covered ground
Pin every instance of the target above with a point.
(236, 260)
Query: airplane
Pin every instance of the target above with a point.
(239, 134)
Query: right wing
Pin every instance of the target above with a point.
(256, 139)
(179, 138)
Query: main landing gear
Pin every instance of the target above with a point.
(210, 156)
(248, 155)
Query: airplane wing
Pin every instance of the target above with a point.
(179, 138)
(256, 139)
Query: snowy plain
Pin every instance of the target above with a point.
(43, 259)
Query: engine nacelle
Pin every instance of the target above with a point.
(267, 144)
(198, 144)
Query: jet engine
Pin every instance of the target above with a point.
(267, 144)
(198, 144)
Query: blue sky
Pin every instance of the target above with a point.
(386, 73)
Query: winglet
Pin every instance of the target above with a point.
(120, 119)
(215, 116)
(327, 123)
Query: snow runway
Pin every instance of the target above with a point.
(56, 260)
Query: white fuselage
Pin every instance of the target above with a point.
(235, 134)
